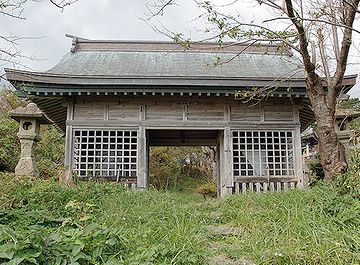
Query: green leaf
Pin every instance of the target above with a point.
(76, 249)
(14, 261)
(6, 251)
(32, 260)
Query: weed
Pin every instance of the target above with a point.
(104, 223)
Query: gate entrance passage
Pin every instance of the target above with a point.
(189, 137)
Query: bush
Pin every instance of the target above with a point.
(208, 189)
(49, 152)
(316, 170)
(178, 168)
(9, 144)
(164, 170)
(349, 182)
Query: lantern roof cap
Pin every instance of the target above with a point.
(30, 111)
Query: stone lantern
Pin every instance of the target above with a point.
(343, 117)
(30, 118)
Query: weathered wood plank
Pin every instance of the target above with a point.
(265, 186)
(237, 187)
(123, 112)
(88, 112)
(240, 113)
(210, 112)
(272, 186)
(251, 186)
(258, 186)
(275, 113)
(243, 187)
(164, 112)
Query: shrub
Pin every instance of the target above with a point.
(178, 168)
(208, 189)
(316, 170)
(49, 152)
(164, 169)
(349, 182)
(9, 144)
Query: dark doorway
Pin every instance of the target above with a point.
(183, 137)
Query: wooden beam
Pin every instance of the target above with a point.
(182, 142)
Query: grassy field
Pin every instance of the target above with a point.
(94, 223)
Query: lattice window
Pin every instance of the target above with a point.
(263, 153)
(105, 153)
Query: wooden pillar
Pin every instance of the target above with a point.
(218, 174)
(298, 158)
(66, 178)
(69, 136)
(142, 160)
(226, 166)
(298, 165)
(142, 152)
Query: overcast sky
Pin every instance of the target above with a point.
(106, 19)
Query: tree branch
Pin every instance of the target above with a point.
(315, 20)
(309, 66)
(323, 56)
(335, 85)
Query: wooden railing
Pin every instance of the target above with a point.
(264, 184)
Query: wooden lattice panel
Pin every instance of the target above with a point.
(105, 153)
(263, 153)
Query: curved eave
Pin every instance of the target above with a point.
(220, 81)
(36, 81)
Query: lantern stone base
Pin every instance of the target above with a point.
(26, 168)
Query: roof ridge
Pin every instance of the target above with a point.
(83, 44)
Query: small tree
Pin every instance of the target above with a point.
(320, 28)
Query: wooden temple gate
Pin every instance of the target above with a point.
(258, 146)
(114, 99)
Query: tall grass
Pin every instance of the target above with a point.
(94, 223)
(316, 226)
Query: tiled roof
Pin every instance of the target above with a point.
(178, 64)
(169, 64)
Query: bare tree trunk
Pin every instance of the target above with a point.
(332, 153)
